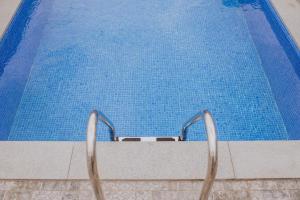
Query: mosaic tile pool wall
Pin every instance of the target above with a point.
(149, 66)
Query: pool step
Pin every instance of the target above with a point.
(147, 139)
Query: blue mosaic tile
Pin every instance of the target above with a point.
(149, 66)
(18, 47)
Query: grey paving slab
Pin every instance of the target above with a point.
(277, 159)
(289, 11)
(151, 160)
(7, 11)
(35, 160)
(151, 190)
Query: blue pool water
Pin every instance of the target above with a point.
(149, 66)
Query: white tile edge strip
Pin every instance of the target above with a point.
(149, 160)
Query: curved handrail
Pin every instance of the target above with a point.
(183, 132)
(91, 149)
(212, 149)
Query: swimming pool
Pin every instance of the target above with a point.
(149, 66)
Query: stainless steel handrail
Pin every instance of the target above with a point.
(212, 149)
(91, 133)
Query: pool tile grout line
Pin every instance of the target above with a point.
(73, 146)
(266, 159)
(230, 155)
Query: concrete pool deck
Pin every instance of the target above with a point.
(150, 160)
(247, 170)
(7, 11)
(150, 190)
(289, 12)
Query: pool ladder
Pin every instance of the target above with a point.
(210, 128)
